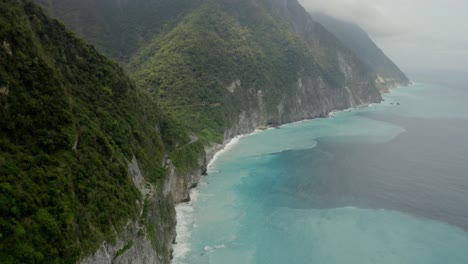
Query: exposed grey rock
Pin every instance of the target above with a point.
(312, 96)
(136, 174)
(143, 247)
(4, 91)
(179, 183)
(141, 252)
(232, 87)
(7, 47)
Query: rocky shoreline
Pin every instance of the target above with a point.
(136, 243)
(212, 151)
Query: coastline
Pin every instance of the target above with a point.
(220, 149)
(244, 210)
(184, 210)
(213, 152)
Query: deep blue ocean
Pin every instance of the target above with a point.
(386, 184)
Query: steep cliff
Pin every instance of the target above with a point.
(230, 66)
(118, 28)
(97, 147)
(84, 154)
(224, 67)
(356, 39)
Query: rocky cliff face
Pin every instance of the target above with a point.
(250, 62)
(313, 94)
(83, 152)
(222, 68)
(310, 98)
(220, 59)
(148, 238)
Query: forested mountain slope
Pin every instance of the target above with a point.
(92, 161)
(118, 28)
(72, 125)
(225, 67)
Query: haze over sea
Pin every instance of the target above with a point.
(382, 184)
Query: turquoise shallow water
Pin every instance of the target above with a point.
(384, 184)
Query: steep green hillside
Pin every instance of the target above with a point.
(230, 57)
(118, 28)
(224, 67)
(70, 124)
(189, 68)
(359, 41)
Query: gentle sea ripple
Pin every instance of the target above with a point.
(385, 184)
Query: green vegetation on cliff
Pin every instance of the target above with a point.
(211, 61)
(240, 45)
(118, 28)
(189, 68)
(70, 123)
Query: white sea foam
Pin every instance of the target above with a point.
(233, 142)
(335, 112)
(220, 246)
(184, 211)
(184, 227)
(211, 248)
(227, 147)
(208, 248)
(185, 220)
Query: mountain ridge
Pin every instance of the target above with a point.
(114, 153)
(266, 56)
(84, 153)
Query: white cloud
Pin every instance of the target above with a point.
(414, 33)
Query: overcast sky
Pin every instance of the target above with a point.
(415, 34)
